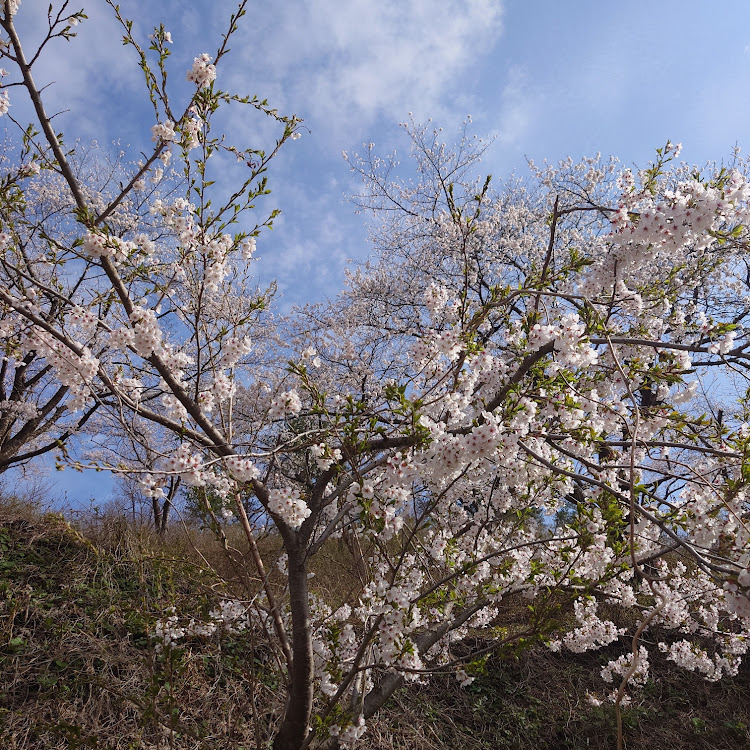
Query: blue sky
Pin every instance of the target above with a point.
(545, 78)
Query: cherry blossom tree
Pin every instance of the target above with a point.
(35, 417)
(504, 358)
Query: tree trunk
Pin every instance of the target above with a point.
(300, 691)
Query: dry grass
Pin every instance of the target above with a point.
(539, 701)
(77, 668)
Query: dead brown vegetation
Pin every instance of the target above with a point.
(79, 670)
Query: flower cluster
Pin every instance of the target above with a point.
(86, 320)
(203, 73)
(146, 332)
(98, 245)
(191, 129)
(310, 356)
(592, 632)
(242, 469)
(76, 371)
(217, 250)
(187, 465)
(168, 631)
(20, 409)
(234, 349)
(223, 387)
(569, 335)
(287, 404)
(324, 456)
(621, 666)
(163, 131)
(230, 616)
(152, 487)
(692, 657)
(349, 736)
(439, 302)
(247, 249)
(289, 506)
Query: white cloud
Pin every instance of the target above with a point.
(348, 68)
(342, 66)
(83, 77)
(94, 81)
(346, 64)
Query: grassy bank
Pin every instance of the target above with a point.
(78, 666)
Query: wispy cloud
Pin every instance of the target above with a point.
(351, 69)
(344, 65)
(87, 81)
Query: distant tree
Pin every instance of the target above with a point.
(487, 371)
